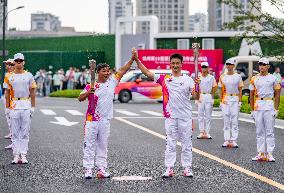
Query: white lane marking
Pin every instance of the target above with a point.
(47, 112)
(212, 157)
(74, 112)
(63, 121)
(152, 113)
(125, 112)
(217, 118)
(214, 113)
(252, 121)
(131, 178)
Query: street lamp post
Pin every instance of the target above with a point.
(3, 35)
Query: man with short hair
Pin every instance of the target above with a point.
(231, 100)
(177, 90)
(99, 113)
(263, 87)
(21, 107)
(207, 88)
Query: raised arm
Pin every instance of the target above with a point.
(143, 69)
(122, 70)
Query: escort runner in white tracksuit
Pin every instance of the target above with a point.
(97, 125)
(263, 88)
(23, 85)
(177, 89)
(9, 64)
(207, 87)
(231, 95)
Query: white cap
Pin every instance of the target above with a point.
(204, 64)
(230, 61)
(263, 60)
(19, 56)
(9, 61)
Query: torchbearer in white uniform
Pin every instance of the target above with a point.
(22, 105)
(99, 113)
(231, 96)
(177, 90)
(207, 87)
(9, 64)
(263, 88)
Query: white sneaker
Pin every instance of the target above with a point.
(102, 173)
(200, 136)
(270, 157)
(16, 159)
(259, 157)
(234, 144)
(9, 136)
(9, 146)
(24, 159)
(187, 172)
(225, 144)
(209, 136)
(88, 173)
(168, 173)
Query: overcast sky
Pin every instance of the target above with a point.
(84, 15)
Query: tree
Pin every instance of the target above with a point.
(258, 25)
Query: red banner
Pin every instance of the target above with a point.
(160, 59)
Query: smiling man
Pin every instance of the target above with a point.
(177, 90)
(98, 116)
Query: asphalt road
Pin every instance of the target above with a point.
(136, 148)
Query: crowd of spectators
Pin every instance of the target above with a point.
(73, 78)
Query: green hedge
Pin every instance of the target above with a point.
(66, 93)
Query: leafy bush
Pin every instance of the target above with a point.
(245, 108)
(216, 103)
(281, 108)
(66, 93)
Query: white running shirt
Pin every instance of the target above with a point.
(103, 98)
(264, 87)
(176, 95)
(21, 84)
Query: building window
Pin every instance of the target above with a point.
(183, 44)
(208, 43)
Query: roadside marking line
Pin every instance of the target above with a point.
(157, 117)
(251, 121)
(214, 113)
(125, 112)
(212, 157)
(74, 112)
(47, 112)
(140, 117)
(153, 113)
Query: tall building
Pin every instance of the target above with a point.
(218, 14)
(1, 16)
(198, 22)
(44, 22)
(120, 8)
(172, 14)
